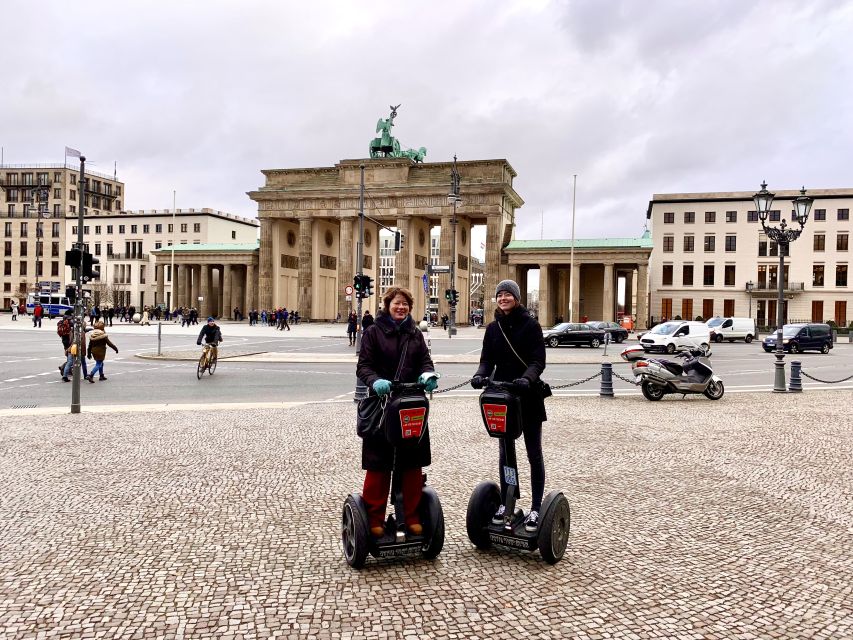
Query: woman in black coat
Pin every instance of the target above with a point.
(523, 367)
(352, 327)
(393, 343)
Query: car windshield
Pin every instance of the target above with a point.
(715, 322)
(560, 327)
(790, 330)
(665, 329)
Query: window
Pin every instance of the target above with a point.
(72, 194)
(728, 308)
(819, 242)
(668, 242)
(666, 307)
(708, 308)
(844, 214)
(841, 275)
(54, 230)
(121, 228)
(688, 244)
(817, 275)
(11, 211)
(710, 243)
(731, 216)
(667, 274)
(689, 217)
(170, 228)
(109, 228)
(7, 248)
(729, 275)
(196, 241)
(841, 241)
(158, 245)
(158, 228)
(184, 227)
(710, 217)
(72, 208)
(708, 275)
(233, 235)
(23, 268)
(23, 247)
(12, 178)
(109, 248)
(669, 217)
(57, 211)
(731, 243)
(687, 275)
(133, 228)
(57, 176)
(8, 230)
(775, 216)
(54, 249)
(820, 214)
(54, 268)
(7, 268)
(57, 194)
(146, 228)
(12, 195)
(197, 227)
(687, 308)
(98, 249)
(28, 178)
(86, 230)
(142, 274)
(23, 229)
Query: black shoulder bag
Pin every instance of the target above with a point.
(540, 386)
(371, 409)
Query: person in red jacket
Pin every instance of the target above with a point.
(38, 312)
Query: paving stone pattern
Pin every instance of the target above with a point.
(691, 519)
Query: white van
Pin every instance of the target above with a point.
(732, 329)
(673, 335)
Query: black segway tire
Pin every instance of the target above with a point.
(554, 527)
(432, 518)
(482, 505)
(354, 531)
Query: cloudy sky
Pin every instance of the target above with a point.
(634, 96)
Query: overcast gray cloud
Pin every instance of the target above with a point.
(634, 97)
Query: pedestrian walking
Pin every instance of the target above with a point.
(110, 313)
(366, 320)
(98, 344)
(146, 318)
(14, 309)
(284, 316)
(38, 312)
(352, 327)
(71, 352)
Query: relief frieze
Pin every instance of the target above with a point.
(285, 205)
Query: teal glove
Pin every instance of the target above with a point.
(430, 380)
(382, 387)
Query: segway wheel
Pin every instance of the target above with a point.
(482, 505)
(432, 517)
(554, 527)
(354, 532)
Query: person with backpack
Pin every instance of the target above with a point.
(71, 351)
(98, 344)
(64, 329)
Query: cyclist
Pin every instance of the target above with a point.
(211, 334)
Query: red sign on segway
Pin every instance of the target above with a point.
(412, 422)
(495, 417)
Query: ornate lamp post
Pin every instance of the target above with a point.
(750, 285)
(783, 237)
(454, 199)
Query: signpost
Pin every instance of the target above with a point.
(348, 290)
(440, 268)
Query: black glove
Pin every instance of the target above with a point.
(198, 343)
(478, 382)
(522, 383)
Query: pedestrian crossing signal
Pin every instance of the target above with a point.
(362, 286)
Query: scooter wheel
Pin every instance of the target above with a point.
(554, 527)
(715, 390)
(652, 391)
(482, 505)
(432, 517)
(354, 531)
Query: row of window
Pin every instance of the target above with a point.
(22, 268)
(42, 178)
(751, 216)
(134, 228)
(25, 228)
(767, 275)
(24, 246)
(764, 309)
(765, 246)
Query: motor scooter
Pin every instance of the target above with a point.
(658, 376)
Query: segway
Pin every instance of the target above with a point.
(500, 407)
(404, 424)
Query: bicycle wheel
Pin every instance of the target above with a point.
(201, 365)
(212, 366)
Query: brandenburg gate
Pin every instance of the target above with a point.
(310, 220)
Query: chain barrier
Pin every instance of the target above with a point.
(454, 388)
(624, 379)
(577, 382)
(803, 373)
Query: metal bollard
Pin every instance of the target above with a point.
(606, 380)
(159, 331)
(796, 384)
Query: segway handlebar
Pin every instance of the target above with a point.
(402, 386)
(508, 386)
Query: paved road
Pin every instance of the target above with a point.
(29, 376)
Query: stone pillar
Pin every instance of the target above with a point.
(248, 286)
(176, 286)
(159, 275)
(226, 291)
(445, 255)
(609, 293)
(402, 265)
(303, 286)
(187, 285)
(254, 286)
(492, 269)
(204, 291)
(345, 265)
(193, 288)
(576, 293)
(546, 315)
(642, 296)
(265, 263)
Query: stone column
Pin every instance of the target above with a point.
(445, 255)
(226, 291)
(492, 268)
(576, 293)
(187, 288)
(159, 275)
(248, 287)
(345, 265)
(193, 288)
(546, 316)
(204, 291)
(176, 287)
(253, 288)
(642, 296)
(265, 262)
(304, 279)
(402, 265)
(609, 297)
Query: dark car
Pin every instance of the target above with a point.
(617, 332)
(573, 333)
(801, 337)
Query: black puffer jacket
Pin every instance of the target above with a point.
(381, 347)
(525, 334)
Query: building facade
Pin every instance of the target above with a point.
(711, 257)
(38, 202)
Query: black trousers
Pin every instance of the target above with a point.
(533, 444)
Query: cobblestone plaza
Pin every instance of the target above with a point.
(691, 519)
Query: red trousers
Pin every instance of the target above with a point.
(377, 484)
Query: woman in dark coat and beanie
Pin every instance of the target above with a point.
(394, 343)
(514, 325)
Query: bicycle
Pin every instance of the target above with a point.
(207, 360)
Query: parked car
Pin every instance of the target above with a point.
(801, 337)
(676, 334)
(617, 332)
(732, 329)
(573, 333)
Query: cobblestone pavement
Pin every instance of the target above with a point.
(691, 519)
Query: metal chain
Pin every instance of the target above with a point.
(458, 386)
(576, 383)
(624, 379)
(803, 373)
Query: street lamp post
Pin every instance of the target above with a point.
(454, 199)
(750, 285)
(783, 237)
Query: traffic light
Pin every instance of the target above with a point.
(368, 286)
(357, 285)
(454, 297)
(89, 270)
(72, 258)
(399, 240)
(71, 293)
(448, 294)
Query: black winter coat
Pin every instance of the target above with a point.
(381, 347)
(525, 334)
